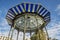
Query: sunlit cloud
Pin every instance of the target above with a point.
(0, 12)
(54, 31)
(4, 28)
(58, 9)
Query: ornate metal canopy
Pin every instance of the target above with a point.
(19, 11)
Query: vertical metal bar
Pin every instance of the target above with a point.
(23, 35)
(9, 32)
(30, 28)
(17, 35)
(30, 33)
(39, 36)
(29, 24)
(24, 28)
(12, 32)
(47, 33)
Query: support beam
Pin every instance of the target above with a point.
(9, 32)
(47, 33)
(12, 31)
(24, 28)
(30, 33)
(23, 35)
(17, 35)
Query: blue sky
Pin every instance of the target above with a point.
(52, 5)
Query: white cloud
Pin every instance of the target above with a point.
(4, 33)
(0, 12)
(4, 28)
(58, 9)
(3, 22)
(54, 31)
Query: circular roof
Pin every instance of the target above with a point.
(27, 8)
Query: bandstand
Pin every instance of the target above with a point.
(28, 18)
